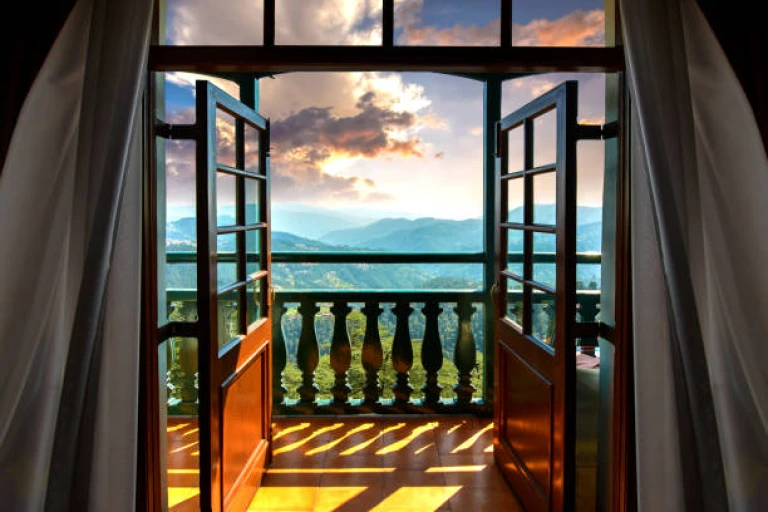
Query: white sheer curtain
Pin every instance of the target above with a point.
(70, 212)
(700, 247)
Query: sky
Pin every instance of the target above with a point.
(397, 143)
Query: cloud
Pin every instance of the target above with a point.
(577, 28)
(302, 143)
(359, 22)
(306, 182)
(458, 35)
(315, 134)
(207, 22)
(292, 180)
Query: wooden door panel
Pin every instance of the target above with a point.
(537, 356)
(528, 416)
(244, 437)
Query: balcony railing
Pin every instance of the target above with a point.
(372, 351)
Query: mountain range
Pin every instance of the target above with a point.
(397, 234)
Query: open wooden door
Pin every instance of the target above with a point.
(534, 431)
(234, 284)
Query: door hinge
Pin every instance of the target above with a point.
(175, 131)
(598, 131)
(497, 142)
(609, 130)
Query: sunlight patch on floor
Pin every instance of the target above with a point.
(302, 442)
(457, 469)
(417, 498)
(289, 430)
(399, 445)
(333, 498)
(369, 442)
(336, 442)
(328, 471)
(183, 471)
(284, 498)
(178, 495)
(466, 445)
(182, 448)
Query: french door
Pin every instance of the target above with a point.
(233, 289)
(536, 328)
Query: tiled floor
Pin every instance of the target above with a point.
(183, 465)
(360, 464)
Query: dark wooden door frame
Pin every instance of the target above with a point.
(462, 61)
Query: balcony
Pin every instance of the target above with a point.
(373, 351)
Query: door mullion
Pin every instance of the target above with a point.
(527, 221)
(240, 220)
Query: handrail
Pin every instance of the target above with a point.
(584, 258)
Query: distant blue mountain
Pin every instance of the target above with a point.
(419, 235)
(546, 214)
(400, 234)
(289, 242)
(443, 235)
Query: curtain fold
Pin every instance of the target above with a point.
(70, 210)
(700, 220)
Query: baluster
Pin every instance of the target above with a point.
(432, 352)
(279, 354)
(308, 353)
(372, 355)
(465, 353)
(341, 352)
(402, 352)
(588, 310)
(188, 311)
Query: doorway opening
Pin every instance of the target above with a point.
(353, 235)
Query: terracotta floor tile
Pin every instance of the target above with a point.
(364, 460)
(356, 479)
(485, 500)
(410, 478)
(466, 459)
(349, 498)
(421, 458)
(479, 475)
(418, 498)
(275, 477)
(297, 459)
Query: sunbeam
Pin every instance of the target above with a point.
(295, 428)
(466, 445)
(369, 442)
(399, 445)
(307, 439)
(336, 442)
